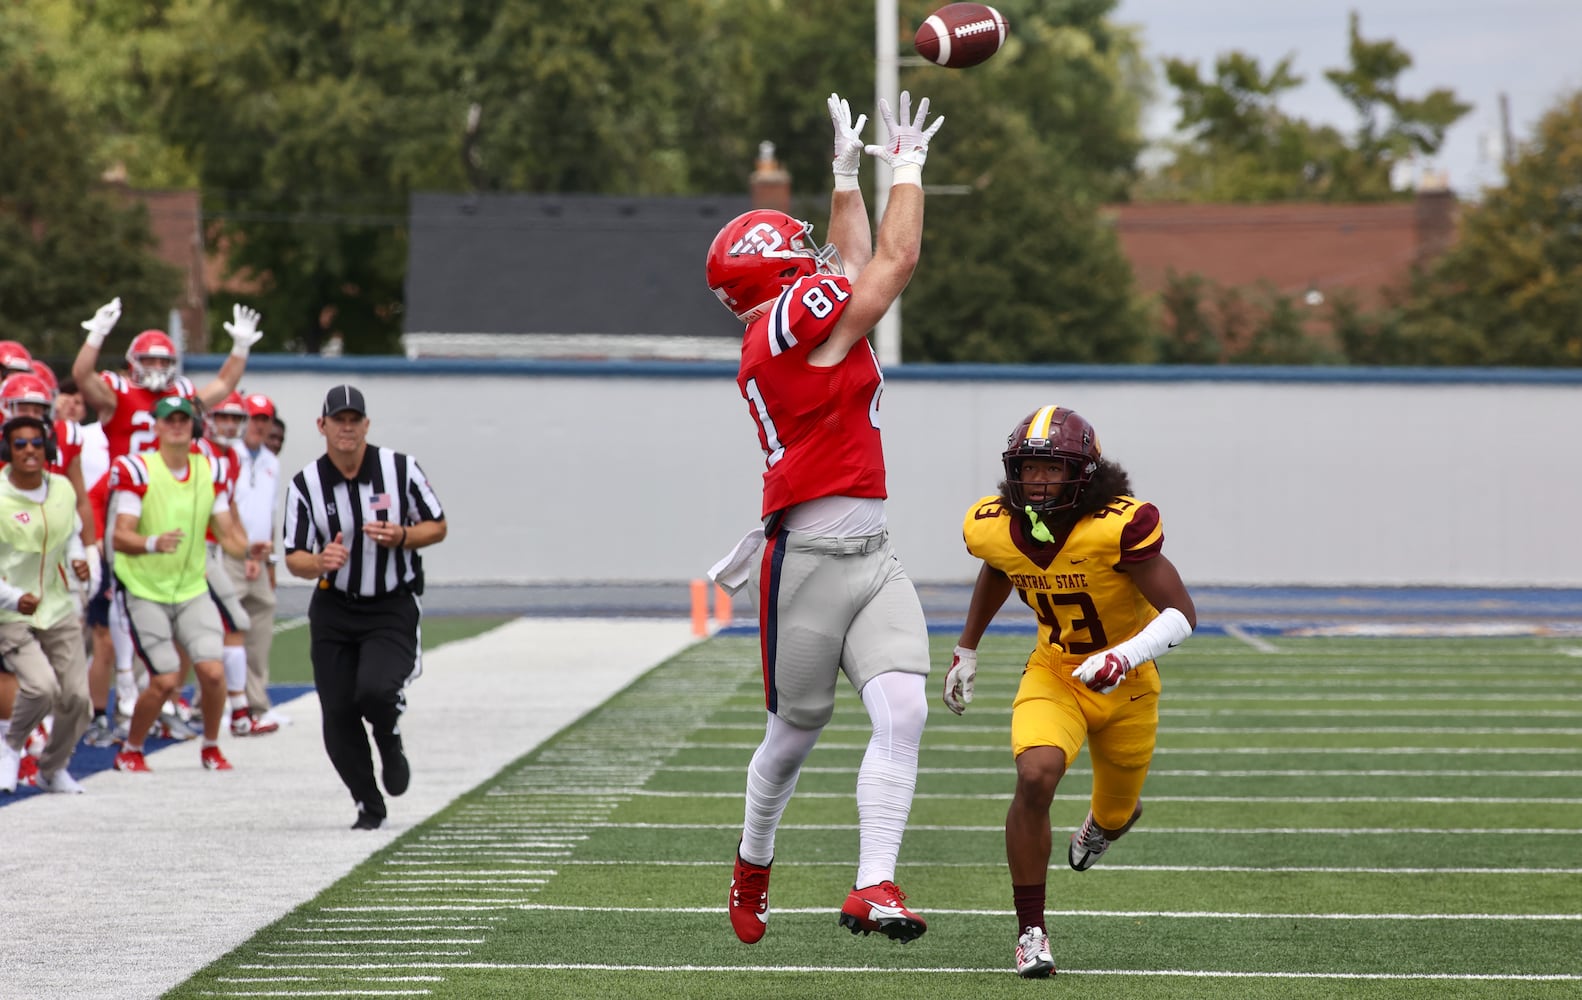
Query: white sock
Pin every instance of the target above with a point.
(238, 700)
(771, 778)
(5, 727)
(897, 706)
(234, 660)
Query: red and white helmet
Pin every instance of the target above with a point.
(758, 254)
(149, 346)
(19, 389)
(230, 406)
(14, 359)
(47, 376)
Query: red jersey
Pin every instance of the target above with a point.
(818, 427)
(68, 444)
(130, 428)
(223, 462)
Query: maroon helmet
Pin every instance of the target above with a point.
(1056, 433)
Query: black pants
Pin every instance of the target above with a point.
(364, 653)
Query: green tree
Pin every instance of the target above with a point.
(1021, 266)
(1510, 291)
(1241, 147)
(65, 240)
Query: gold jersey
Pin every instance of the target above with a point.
(1084, 603)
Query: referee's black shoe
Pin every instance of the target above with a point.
(397, 772)
(367, 821)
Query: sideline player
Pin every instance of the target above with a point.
(163, 501)
(222, 432)
(1067, 535)
(40, 636)
(832, 597)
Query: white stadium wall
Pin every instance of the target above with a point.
(626, 472)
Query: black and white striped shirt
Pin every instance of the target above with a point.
(321, 503)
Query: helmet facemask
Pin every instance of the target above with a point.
(154, 377)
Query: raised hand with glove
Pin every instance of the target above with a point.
(243, 329)
(103, 322)
(848, 143)
(958, 680)
(907, 147)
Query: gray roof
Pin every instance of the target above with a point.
(565, 264)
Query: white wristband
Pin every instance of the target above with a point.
(96, 338)
(151, 544)
(846, 182)
(239, 350)
(906, 173)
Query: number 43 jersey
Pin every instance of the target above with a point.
(818, 427)
(1083, 602)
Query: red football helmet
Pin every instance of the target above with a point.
(142, 357)
(47, 376)
(1051, 432)
(19, 389)
(230, 406)
(14, 359)
(758, 254)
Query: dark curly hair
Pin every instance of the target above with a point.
(1109, 481)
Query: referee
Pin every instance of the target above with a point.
(353, 520)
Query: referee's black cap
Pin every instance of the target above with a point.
(344, 397)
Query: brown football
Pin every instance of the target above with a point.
(961, 34)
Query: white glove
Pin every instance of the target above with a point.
(908, 143)
(103, 322)
(848, 137)
(1103, 672)
(958, 682)
(243, 330)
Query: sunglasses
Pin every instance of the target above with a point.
(27, 442)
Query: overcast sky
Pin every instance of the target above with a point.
(1530, 50)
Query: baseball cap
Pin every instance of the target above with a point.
(259, 403)
(344, 397)
(173, 404)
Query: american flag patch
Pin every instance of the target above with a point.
(378, 502)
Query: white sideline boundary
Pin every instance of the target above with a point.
(130, 889)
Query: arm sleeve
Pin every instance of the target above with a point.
(423, 503)
(299, 531)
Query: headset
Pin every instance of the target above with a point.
(51, 453)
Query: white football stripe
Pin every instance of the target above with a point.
(943, 34)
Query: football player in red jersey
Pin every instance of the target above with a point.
(222, 431)
(832, 597)
(125, 403)
(1066, 533)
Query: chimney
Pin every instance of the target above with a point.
(771, 185)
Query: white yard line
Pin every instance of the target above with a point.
(216, 856)
(891, 973)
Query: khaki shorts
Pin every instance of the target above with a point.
(157, 627)
(828, 606)
(1054, 709)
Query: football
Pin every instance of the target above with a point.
(958, 35)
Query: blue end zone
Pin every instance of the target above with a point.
(88, 760)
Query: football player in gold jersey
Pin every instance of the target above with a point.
(1066, 534)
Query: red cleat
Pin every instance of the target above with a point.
(27, 771)
(878, 908)
(213, 760)
(749, 900)
(132, 760)
(245, 723)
